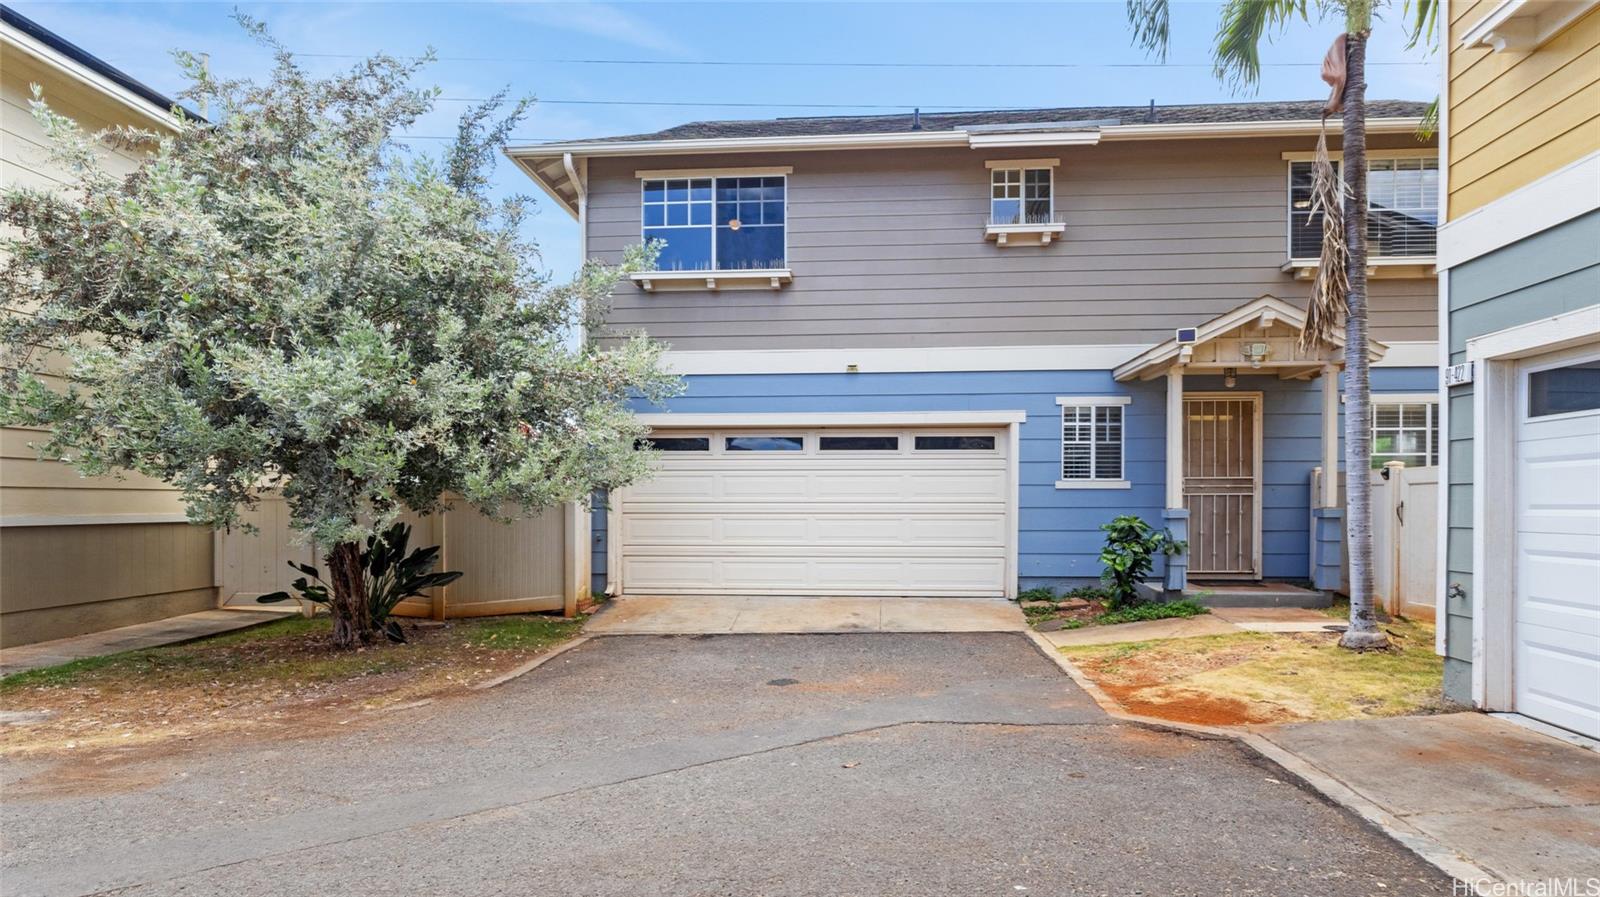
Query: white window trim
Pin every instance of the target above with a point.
(1065, 402)
(1296, 261)
(777, 276)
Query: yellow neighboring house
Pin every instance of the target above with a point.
(81, 554)
(1519, 253)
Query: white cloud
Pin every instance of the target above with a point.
(601, 20)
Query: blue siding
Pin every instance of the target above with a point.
(1060, 538)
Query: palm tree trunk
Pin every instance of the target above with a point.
(1363, 633)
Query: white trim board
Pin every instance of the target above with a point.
(669, 420)
(1418, 354)
(1559, 196)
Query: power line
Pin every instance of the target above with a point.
(768, 63)
(733, 105)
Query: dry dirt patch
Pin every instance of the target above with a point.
(279, 680)
(1251, 678)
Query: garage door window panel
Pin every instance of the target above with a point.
(764, 443)
(859, 443)
(955, 443)
(1567, 389)
(679, 443)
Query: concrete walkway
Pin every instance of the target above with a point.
(764, 615)
(1519, 804)
(170, 631)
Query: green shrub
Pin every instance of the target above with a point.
(1037, 593)
(1088, 593)
(1154, 611)
(1129, 556)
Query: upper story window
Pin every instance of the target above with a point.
(1402, 204)
(716, 223)
(1020, 196)
(1022, 203)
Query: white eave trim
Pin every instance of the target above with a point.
(836, 419)
(1523, 25)
(90, 78)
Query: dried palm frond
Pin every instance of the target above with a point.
(1333, 273)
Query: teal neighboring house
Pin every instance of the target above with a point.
(1519, 254)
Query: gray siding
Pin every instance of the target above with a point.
(1549, 273)
(887, 250)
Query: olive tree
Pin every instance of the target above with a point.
(289, 298)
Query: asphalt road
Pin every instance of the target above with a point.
(861, 764)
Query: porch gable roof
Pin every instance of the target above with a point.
(1220, 343)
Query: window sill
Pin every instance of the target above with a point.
(1093, 484)
(1023, 234)
(1406, 268)
(753, 279)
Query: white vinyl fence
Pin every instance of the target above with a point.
(1405, 522)
(521, 567)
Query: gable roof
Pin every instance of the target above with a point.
(556, 167)
(1263, 311)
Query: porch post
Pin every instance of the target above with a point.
(1327, 519)
(1176, 516)
(1330, 436)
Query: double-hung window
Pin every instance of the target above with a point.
(1020, 196)
(1405, 430)
(1092, 442)
(1402, 209)
(716, 223)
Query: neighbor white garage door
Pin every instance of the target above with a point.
(1557, 662)
(857, 511)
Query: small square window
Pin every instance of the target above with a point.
(1563, 390)
(1020, 196)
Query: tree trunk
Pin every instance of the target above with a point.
(352, 619)
(1363, 633)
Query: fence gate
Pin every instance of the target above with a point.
(1405, 524)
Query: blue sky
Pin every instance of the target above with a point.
(532, 47)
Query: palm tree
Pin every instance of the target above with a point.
(1237, 62)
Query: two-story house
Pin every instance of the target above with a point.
(1520, 261)
(932, 354)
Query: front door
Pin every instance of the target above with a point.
(1222, 483)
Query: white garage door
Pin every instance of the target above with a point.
(1557, 671)
(888, 512)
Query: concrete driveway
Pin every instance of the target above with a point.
(859, 764)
